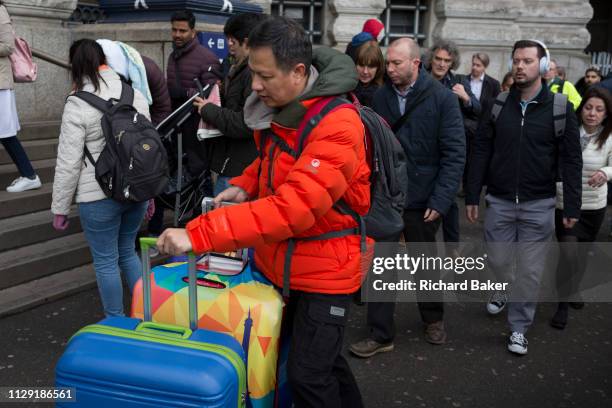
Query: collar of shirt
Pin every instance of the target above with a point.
(524, 104)
(405, 93)
(479, 79)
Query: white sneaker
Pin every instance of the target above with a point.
(497, 302)
(517, 343)
(23, 183)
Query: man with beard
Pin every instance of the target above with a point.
(516, 153)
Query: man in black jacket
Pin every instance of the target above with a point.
(517, 155)
(435, 148)
(440, 60)
(232, 152)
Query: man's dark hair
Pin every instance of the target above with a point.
(290, 44)
(184, 15)
(240, 25)
(594, 69)
(86, 56)
(529, 44)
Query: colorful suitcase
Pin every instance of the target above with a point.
(245, 306)
(125, 362)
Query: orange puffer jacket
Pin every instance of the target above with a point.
(332, 165)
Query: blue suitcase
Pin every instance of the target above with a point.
(123, 362)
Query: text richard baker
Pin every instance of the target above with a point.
(439, 285)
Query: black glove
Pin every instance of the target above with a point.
(177, 92)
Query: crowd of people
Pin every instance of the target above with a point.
(538, 143)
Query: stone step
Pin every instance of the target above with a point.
(32, 228)
(36, 149)
(12, 204)
(35, 261)
(39, 130)
(28, 295)
(44, 168)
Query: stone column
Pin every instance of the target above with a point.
(561, 25)
(40, 22)
(347, 18)
(493, 26)
(475, 25)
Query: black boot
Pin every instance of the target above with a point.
(559, 320)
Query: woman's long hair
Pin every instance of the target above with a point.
(86, 57)
(604, 95)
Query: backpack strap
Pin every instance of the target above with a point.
(498, 105)
(127, 95)
(559, 113)
(310, 121)
(100, 104)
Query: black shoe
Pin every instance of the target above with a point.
(576, 305)
(559, 320)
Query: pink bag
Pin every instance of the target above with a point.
(24, 68)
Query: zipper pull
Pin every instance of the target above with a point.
(110, 183)
(135, 118)
(522, 121)
(119, 136)
(517, 199)
(131, 163)
(126, 192)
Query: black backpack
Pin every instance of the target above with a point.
(133, 166)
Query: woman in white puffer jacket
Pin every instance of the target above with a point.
(110, 226)
(595, 117)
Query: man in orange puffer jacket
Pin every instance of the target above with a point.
(287, 204)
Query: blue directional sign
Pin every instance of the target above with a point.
(215, 41)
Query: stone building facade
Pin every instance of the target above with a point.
(491, 26)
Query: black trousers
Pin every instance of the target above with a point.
(318, 374)
(380, 314)
(572, 258)
(450, 224)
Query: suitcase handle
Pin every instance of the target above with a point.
(164, 330)
(145, 244)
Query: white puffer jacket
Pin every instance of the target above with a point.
(593, 159)
(80, 126)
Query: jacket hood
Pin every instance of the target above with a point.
(332, 73)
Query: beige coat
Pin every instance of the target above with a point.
(80, 126)
(7, 45)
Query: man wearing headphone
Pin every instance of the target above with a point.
(517, 154)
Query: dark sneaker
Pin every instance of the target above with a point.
(368, 347)
(435, 333)
(517, 343)
(576, 305)
(497, 302)
(559, 320)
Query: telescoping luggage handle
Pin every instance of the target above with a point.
(145, 244)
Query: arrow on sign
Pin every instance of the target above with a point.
(227, 6)
(138, 3)
(211, 43)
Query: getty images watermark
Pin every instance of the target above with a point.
(526, 272)
(404, 263)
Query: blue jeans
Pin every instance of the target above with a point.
(110, 228)
(221, 184)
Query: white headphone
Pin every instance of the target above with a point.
(544, 61)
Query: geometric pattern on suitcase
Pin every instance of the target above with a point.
(248, 303)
